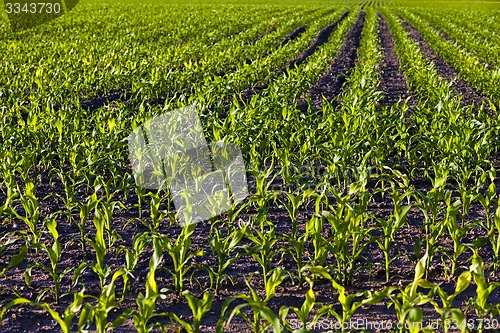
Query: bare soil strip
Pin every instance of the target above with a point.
(393, 81)
(123, 96)
(98, 102)
(443, 34)
(330, 83)
(320, 39)
(291, 36)
(469, 95)
(288, 293)
(451, 40)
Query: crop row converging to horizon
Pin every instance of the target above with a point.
(369, 133)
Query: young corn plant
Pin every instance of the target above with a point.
(106, 210)
(430, 206)
(467, 193)
(146, 303)
(350, 234)
(292, 204)
(407, 301)
(263, 317)
(483, 290)
(199, 308)
(69, 198)
(288, 171)
(350, 302)
(141, 196)
(391, 226)
(65, 321)
(181, 254)
(296, 250)
(54, 253)
(446, 310)
(100, 247)
(305, 311)
(156, 215)
(297, 242)
(85, 209)
(105, 188)
(12, 191)
(454, 230)
(99, 313)
(263, 249)
(264, 195)
(494, 237)
(314, 230)
(487, 202)
(224, 247)
(33, 213)
(492, 221)
(132, 258)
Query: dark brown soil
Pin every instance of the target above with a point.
(319, 40)
(451, 40)
(291, 36)
(98, 102)
(369, 274)
(393, 81)
(443, 34)
(300, 30)
(330, 83)
(469, 95)
(123, 96)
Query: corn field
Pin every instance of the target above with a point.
(370, 136)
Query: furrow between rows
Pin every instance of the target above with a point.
(123, 95)
(293, 35)
(469, 95)
(320, 39)
(329, 85)
(393, 80)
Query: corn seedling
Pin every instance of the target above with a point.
(391, 226)
(180, 252)
(223, 247)
(263, 317)
(65, 321)
(198, 307)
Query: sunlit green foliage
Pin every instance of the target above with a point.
(72, 91)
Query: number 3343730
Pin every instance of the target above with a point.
(33, 8)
